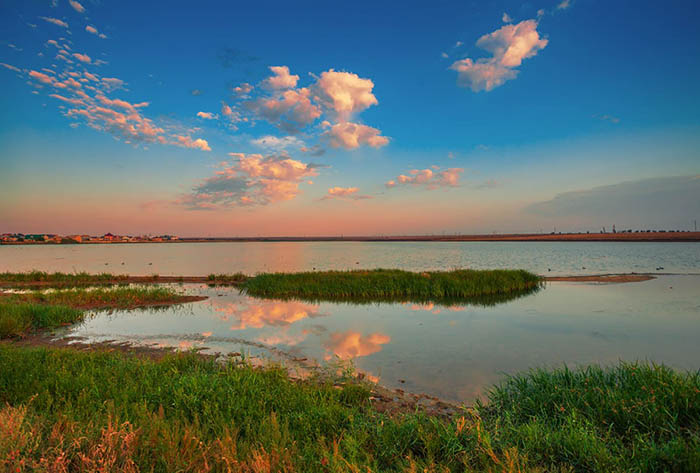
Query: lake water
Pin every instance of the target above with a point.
(454, 352)
(200, 259)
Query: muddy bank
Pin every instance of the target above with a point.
(604, 278)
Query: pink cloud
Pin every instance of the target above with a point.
(345, 193)
(429, 178)
(91, 29)
(8, 66)
(55, 21)
(509, 46)
(206, 115)
(187, 142)
(41, 77)
(82, 57)
(249, 179)
(281, 79)
(351, 344)
(77, 6)
(67, 99)
(291, 111)
(352, 135)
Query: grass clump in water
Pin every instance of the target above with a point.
(16, 320)
(225, 279)
(83, 411)
(392, 284)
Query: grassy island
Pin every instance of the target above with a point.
(392, 284)
(64, 410)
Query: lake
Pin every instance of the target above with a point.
(453, 352)
(200, 259)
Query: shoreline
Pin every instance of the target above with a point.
(642, 236)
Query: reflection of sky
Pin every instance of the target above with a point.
(453, 352)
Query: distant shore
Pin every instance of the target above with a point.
(641, 236)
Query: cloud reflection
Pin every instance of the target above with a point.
(351, 344)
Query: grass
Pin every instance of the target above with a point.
(21, 313)
(103, 411)
(227, 279)
(61, 279)
(392, 285)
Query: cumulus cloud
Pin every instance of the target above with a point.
(291, 111)
(55, 21)
(430, 178)
(207, 115)
(345, 193)
(77, 6)
(352, 135)
(188, 142)
(250, 179)
(509, 46)
(344, 94)
(281, 79)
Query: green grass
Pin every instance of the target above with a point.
(86, 410)
(392, 285)
(21, 313)
(61, 279)
(17, 320)
(227, 279)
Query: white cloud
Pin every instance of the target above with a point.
(281, 79)
(277, 144)
(509, 46)
(506, 18)
(343, 94)
(349, 135)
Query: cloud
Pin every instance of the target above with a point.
(207, 115)
(250, 179)
(608, 118)
(444, 55)
(55, 21)
(277, 144)
(564, 5)
(281, 79)
(243, 89)
(196, 92)
(351, 344)
(506, 18)
(344, 94)
(92, 30)
(660, 201)
(291, 111)
(77, 6)
(352, 135)
(188, 142)
(41, 77)
(345, 193)
(260, 314)
(112, 83)
(509, 46)
(82, 57)
(10, 67)
(430, 178)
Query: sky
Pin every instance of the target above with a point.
(227, 118)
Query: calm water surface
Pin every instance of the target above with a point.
(452, 352)
(200, 259)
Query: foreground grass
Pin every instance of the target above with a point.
(391, 284)
(76, 411)
(24, 312)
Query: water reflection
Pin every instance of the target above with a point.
(348, 345)
(454, 351)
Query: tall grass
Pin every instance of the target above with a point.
(391, 284)
(18, 319)
(21, 313)
(184, 413)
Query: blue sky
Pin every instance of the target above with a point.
(582, 94)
